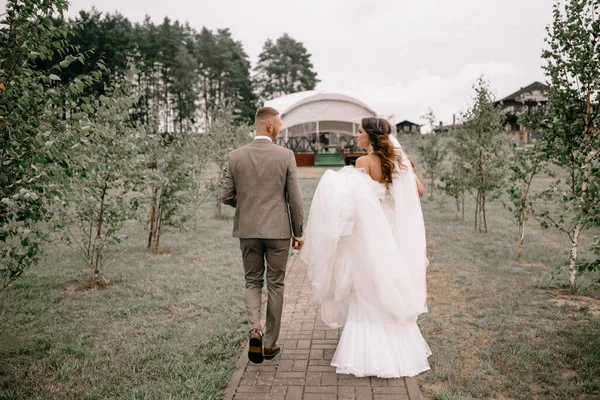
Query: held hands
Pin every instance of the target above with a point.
(297, 244)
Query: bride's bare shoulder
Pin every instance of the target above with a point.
(363, 162)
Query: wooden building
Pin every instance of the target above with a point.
(408, 127)
(513, 104)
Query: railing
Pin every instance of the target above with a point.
(299, 144)
(303, 144)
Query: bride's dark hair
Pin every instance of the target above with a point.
(378, 130)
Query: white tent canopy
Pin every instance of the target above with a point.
(305, 113)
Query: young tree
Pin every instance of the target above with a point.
(455, 179)
(484, 150)
(105, 171)
(283, 67)
(34, 139)
(198, 154)
(523, 165)
(168, 177)
(571, 137)
(432, 154)
(225, 135)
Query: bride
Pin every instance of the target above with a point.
(365, 251)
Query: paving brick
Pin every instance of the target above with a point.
(321, 368)
(253, 389)
(291, 344)
(329, 379)
(318, 335)
(320, 396)
(261, 368)
(320, 389)
(294, 393)
(397, 396)
(250, 396)
(300, 365)
(350, 380)
(364, 393)
(316, 355)
(376, 382)
(289, 382)
(287, 375)
(346, 393)
(285, 365)
(396, 382)
(389, 390)
(277, 393)
(265, 378)
(332, 335)
(313, 378)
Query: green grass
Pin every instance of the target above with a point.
(170, 326)
(501, 328)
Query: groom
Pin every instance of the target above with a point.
(262, 184)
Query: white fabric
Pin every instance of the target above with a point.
(261, 137)
(366, 256)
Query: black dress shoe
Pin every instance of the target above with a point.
(255, 346)
(269, 354)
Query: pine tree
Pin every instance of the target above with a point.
(284, 67)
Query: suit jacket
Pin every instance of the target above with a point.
(262, 184)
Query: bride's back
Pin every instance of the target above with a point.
(372, 165)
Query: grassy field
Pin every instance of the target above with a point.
(171, 325)
(501, 328)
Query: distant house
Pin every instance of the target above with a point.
(408, 127)
(536, 93)
(446, 129)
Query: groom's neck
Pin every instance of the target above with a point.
(265, 134)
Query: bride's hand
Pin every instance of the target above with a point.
(297, 244)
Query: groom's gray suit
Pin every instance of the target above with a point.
(262, 184)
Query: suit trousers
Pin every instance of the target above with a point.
(254, 254)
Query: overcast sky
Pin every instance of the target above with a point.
(399, 56)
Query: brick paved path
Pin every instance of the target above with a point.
(302, 370)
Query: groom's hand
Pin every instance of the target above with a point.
(297, 244)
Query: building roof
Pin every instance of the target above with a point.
(407, 122)
(287, 103)
(319, 105)
(535, 86)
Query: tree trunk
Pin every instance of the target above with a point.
(573, 254)
(521, 234)
(523, 214)
(156, 246)
(483, 210)
(476, 211)
(431, 177)
(463, 205)
(157, 222)
(584, 189)
(96, 272)
(219, 213)
(457, 201)
(480, 212)
(152, 217)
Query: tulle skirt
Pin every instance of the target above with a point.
(375, 344)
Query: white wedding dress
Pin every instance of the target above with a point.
(365, 251)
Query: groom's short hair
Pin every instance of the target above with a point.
(264, 113)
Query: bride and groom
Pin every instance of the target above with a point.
(364, 245)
